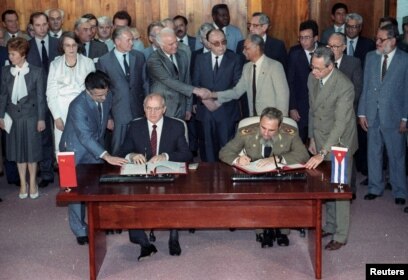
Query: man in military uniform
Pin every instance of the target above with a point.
(267, 141)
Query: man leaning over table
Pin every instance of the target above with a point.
(268, 141)
(154, 138)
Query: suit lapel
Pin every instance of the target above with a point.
(117, 65)
(132, 64)
(94, 112)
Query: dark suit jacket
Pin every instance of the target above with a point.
(191, 42)
(297, 75)
(34, 57)
(34, 104)
(97, 49)
(229, 73)
(84, 131)
(274, 49)
(127, 96)
(351, 67)
(3, 58)
(177, 89)
(172, 141)
(364, 45)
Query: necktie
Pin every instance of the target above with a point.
(310, 57)
(321, 83)
(216, 67)
(100, 111)
(13, 36)
(384, 67)
(84, 51)
(336, 65)
(181, 41)
(267, 151)
(351, 48)
(55, 35)
(126, 65)
(153, 140)
(44, 55)
(340, 29)
(174, 64)
(254, 90)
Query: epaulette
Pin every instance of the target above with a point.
(288, 129)
(250, 129)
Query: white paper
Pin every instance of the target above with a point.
(8, 122)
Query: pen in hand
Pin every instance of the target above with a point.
(146, 160)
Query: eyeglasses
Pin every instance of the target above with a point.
(255, 25)
(70, 45)
(218, 43)
(381, 39)
(334, 47)
(357, 26)
(153, 109)
(305, 38)
(317, 68)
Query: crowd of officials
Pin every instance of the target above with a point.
(98, 91)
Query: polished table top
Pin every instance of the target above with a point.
(211, 181)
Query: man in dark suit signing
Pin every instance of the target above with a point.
(124, 67)
(155, 138)
(84, 134)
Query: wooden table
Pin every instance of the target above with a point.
(204, 199)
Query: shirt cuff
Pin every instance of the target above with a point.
(103, 154)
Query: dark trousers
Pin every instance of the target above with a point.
(46, 165)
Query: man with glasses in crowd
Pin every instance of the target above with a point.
(383, 112)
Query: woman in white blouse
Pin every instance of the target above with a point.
(66, 81)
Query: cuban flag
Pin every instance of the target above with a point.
(339, 165)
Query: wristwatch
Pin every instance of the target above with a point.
(322, 153)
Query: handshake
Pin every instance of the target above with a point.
(207, 97)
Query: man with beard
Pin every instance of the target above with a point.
(267, 142)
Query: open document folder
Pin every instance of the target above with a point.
(161, 167)
(252, 167)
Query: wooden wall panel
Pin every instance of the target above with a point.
(285, 14)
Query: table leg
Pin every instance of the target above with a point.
(97, 241)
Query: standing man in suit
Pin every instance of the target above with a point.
(351, 67)
(338, 15)
(169, 74)
(221, 17)
(124, 66)
(361, 46)
(263, 79)
(274, 48)
(331, 121)
(357, 45)
(383, 112)
(155, 138)
(298, 72)
(180, 26)
(217, 70)
(55, 21)
(91, 48)
(43, 50)
(10, 23)
(83, 134)
(153, 30)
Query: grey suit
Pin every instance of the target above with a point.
(332, 120)
(128, 96)
(351, 67)
(96, 49)
(19, 34)
(176, 88)
(272, 88)
(385, 104)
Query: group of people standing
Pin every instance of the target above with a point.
(63, 94)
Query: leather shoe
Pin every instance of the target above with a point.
(44, 183)
(400, 201)
(147, 251)
(370, 196)
(364, 182)
(406, 209)
(267, 238)
(281, 239)
(325, 234)
(174, 247)
(334, 245)
(82, 240)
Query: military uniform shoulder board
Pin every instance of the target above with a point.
(288, 129)
(250, 129)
